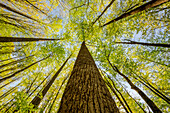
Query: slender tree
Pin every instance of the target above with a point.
(150, 103)
(51, 104)
(145, 44)
(36, 100)
(150, 4)
(5, 78)
(16, 11)
(14, 62)
(22, 39)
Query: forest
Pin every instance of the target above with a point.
(84, 56)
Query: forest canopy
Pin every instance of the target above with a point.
(40, 40)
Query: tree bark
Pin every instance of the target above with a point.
(152, 3)
(22, 39)
(86, 91)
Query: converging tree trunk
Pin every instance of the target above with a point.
(150, 4)
(16, 11)
(22, 39)
(36, 100)
(150, 103)
(5, 78)
(86, 91)
(145, 44)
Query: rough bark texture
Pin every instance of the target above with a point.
(86, 91)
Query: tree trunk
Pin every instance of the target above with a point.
(5, 78)
(150, 103)
(39, 84)
(103, 11)
(86, 91)
(36, 100)
(16, 11)
(15, 62)
(22, 39)
(152, 3)
(145, 44)
(121, 95)
(52, 103)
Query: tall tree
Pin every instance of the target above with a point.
(86, 90)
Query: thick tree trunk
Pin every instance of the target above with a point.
(152, 3)
(86, 91)
(22, 39)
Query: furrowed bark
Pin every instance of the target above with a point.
(103, 12)
(86, 91)
(36, 100)
(150, 103)
(152, 3)
(22, 39)
(145, 44)
(15, 11)
(5, 78)
(113, 90)
(51, 105)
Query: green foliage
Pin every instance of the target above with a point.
(71, 21)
